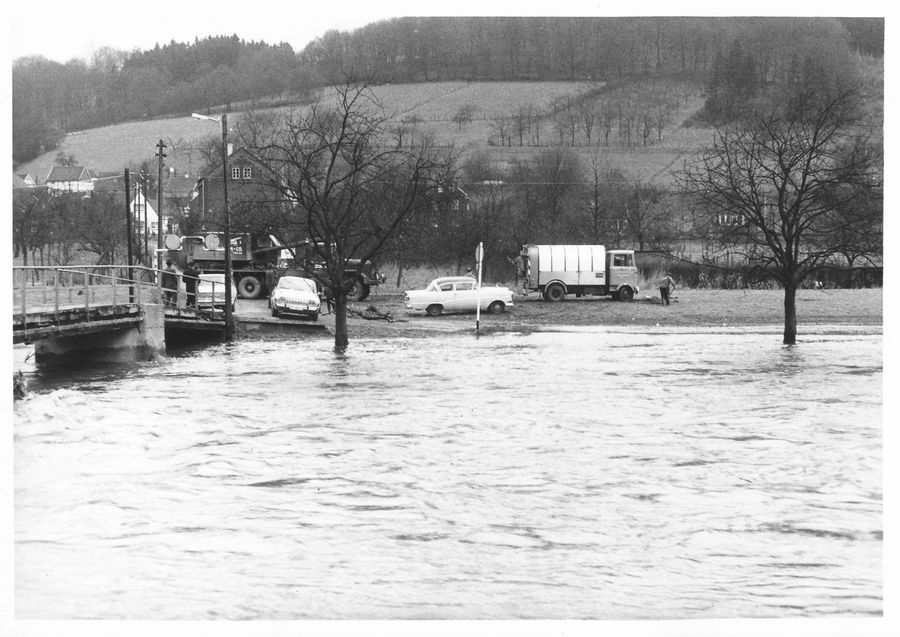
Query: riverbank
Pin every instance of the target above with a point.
(690, 308)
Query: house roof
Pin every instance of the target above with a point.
(179, 186)
(110, 182)
(18, 182)
(239, 154)
(68, 173)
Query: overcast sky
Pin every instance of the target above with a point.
(62, 30)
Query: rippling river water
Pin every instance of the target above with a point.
(605, 474)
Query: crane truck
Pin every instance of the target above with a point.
(251, 253)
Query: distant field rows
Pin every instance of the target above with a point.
(112, 148)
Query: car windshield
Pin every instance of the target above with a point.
(296, 283)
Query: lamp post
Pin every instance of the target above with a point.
(226, 230)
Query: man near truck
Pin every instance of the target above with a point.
(666, 286)
(191, 277)
(169, 284)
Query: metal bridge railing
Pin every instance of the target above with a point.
(56, 289)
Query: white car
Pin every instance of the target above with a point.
(295, 295)
(459, 294)
(211, 291)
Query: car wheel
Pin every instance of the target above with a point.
(314, 316)
(434, 310)
(555, 292)
(359, 291)
(249, 287)
(274, 312)
(626, 294)
(496, 307)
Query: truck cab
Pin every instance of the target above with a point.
(623, 275)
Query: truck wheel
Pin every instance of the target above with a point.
(496, 307)
(249, 287)
(626, 294)
(555, 292)
(434, 310)
(359, 291)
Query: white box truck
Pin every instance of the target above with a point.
(558, 270)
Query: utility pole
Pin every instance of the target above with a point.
(128, 225)
(160, 147)
(229, 280)
(229, 277)
(142, 196)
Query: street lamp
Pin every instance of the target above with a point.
(229, 319)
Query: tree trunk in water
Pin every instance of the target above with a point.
(341, 338)
(790, 314)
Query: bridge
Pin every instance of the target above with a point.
(79, 309)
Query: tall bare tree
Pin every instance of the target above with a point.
(350, 186)
(790, 177)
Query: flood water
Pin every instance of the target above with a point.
(590, 474)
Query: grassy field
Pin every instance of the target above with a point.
(112, 148)
(728, 309)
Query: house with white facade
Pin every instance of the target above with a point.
(62, 179)
(141, 209)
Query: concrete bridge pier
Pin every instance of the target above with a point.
(144, 341)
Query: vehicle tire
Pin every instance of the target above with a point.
(314, 316)
(626, 294)
(496, 307)
(555, 292)
(274, 312)
(249, 287)
(359, 291)
(434, 310)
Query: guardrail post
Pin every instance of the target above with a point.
(56, 297)
(87, 296)
(24, 306)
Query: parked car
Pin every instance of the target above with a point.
(295, 295)
(458, 294)
(211, 291)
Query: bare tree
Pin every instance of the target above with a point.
(587, 117)
(606, 197)
(646, 217)
(789, 178)
(351, 189)
(101, 225)
(501, 125)
(464, 115)
(520, 120)
(32, 222)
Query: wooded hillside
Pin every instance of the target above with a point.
(51, 99)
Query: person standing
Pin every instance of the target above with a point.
(271, 277)
(170, 284)
(666, 287)
(191, 276)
